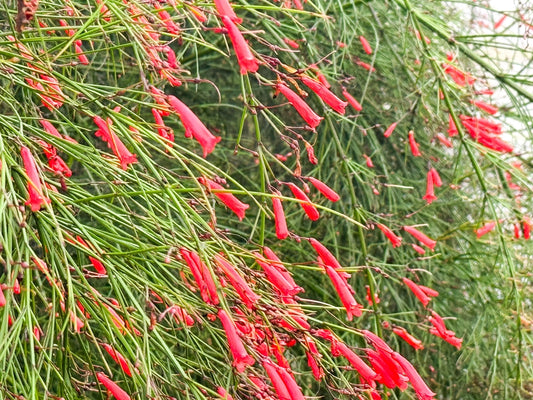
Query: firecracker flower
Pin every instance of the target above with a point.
(234, 204)
(37, 198)
(306, 112)
(247, 61)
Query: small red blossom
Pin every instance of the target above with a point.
(461, 78)
(369, 162)
(426, 241)
(394, 239)
(418, 249)
(279, 219)
(325, 94)
(488, 108)
(325, 254)
(390, 129)
(241, 358)
(106, 133)
(234, 204)
(488, 227)
(430, 190)
(437, 181)
(280, 388)
(439, 329)
(224, 394)
(306, 112)
(247, 61)
(444, 140)
(320, 76)
(452, 128)
(500, 21)
(376, 300)
(193, 126)
(421, 388)
(240, 285)
(97, 264)
(306, 204)
(410, 339)
(291, 43)
(118, 358)
(366, 66)
(351, 100)
(366, 46)
(486, 133)
(328, 192)
(224, 8)
(113, 388)
(345, 292)
(413, 144)
(422, 293)
(37, 198)
(280, 282)
(357, 363)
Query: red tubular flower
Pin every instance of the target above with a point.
(394, 239)
(325, 94)
(179, 314)
(418, 249)
(165, 17)
(419, 292)
(366, 45)
(162, 130)
(279, 218)
(320, 76)
(413, 144)
(278, 383)
(224, 9)
(440, 330)
(81, 56)
(207, 278)
(306, 112)
(353, 102)
(246, 59)
(369, 162)
(325, 254)
(114, 143)
(318, 372)
(364, 370)
(119, 358)
(381, 368)
(113, 388)
(488, 227)
(430, 191)
(35, 189)
(197, 274)
(97, 264)
(246, 294)
(306, 204)
(377, 300)
(366, 66)
(276, 263)
(421, 388)
(500, 21)
(294, 390)
(234, 204)
(410, 339)
(526, 228)
(436, 177)
(193, 126)
(291, 43)
(460, 77)
(488, 108)
(276, 278)
(452, 128)
(444, 140)
(486, 133)
(2, 298)
(224, 394)
(328, 192)
(345, 293)
(390, 129)
(241, 358)
(426, 241)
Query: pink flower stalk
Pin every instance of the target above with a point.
(279, 219)
(241, 358)
(224, 8)
(345, 292)
(394, 239)
(488, 227)
(488, 108)
(366, 46)
(421, 388)
(410, 339)
(240, 285)
(423, 293)
(430, 190)
(247, 61)
(35, 190)
(114, 143)
(306, 112)
(357, 363)
(413, 144)
(325, 94)
(193, 126)
(328, 192)
(306, 204)
(351, 100)
(390, 129)
(113, 388)
(426, 241)
(118, 358)
(234, 204)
